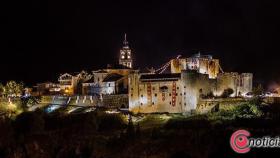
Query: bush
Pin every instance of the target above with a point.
(247, 111)
(227, 92)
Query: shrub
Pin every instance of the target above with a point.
(227, 92)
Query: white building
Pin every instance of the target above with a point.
(179, 92)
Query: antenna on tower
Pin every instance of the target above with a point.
(125, 41)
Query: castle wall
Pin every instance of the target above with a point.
(195, 85)
(239, 83)
(225, 81)
(201, 65)
(177, 65)
(169, 96)
(152, 97)
(246, 83)
(213, 68)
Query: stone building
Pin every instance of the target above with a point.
(46, 88)
(204, 64)
(239, 83)
(72, 84)
(125, 57)
(67, 82)
(173, 93)
(111, 83)
(180, 91)
(114, 78)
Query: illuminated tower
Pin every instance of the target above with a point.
(125, 54)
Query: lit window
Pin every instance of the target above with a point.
(128, 57)
(122, 56)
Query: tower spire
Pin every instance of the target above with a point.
(125, 42)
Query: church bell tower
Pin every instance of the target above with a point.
(125, 58)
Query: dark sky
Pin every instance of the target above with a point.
(41, 39)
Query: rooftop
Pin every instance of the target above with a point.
(112, 77)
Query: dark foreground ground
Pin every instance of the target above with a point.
(101, 135)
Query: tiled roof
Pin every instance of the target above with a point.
(91, 80)
(100, 71)
(112, 77)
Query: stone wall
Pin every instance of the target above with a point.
(206, 105)
(119, 101)
(196, 84)
(239, 83)
(106, 101)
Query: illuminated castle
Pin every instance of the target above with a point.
(191, 79)
(125, 57)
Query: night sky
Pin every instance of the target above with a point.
(41, 39)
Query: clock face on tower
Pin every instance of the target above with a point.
(125, 58)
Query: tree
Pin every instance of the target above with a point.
(257, 91)
(29, 101)
(2, 89)
(13, 88)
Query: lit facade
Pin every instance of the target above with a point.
(190, 80)
(204, 64)
(125, 57)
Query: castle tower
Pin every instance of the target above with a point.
(125, 54)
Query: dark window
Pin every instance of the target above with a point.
(184, 93)
(170, 103)
(169, 94)
(142, 95)
(155, 94)
(131, 94)
(153, 88)
(177, 87)
(153, 103)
